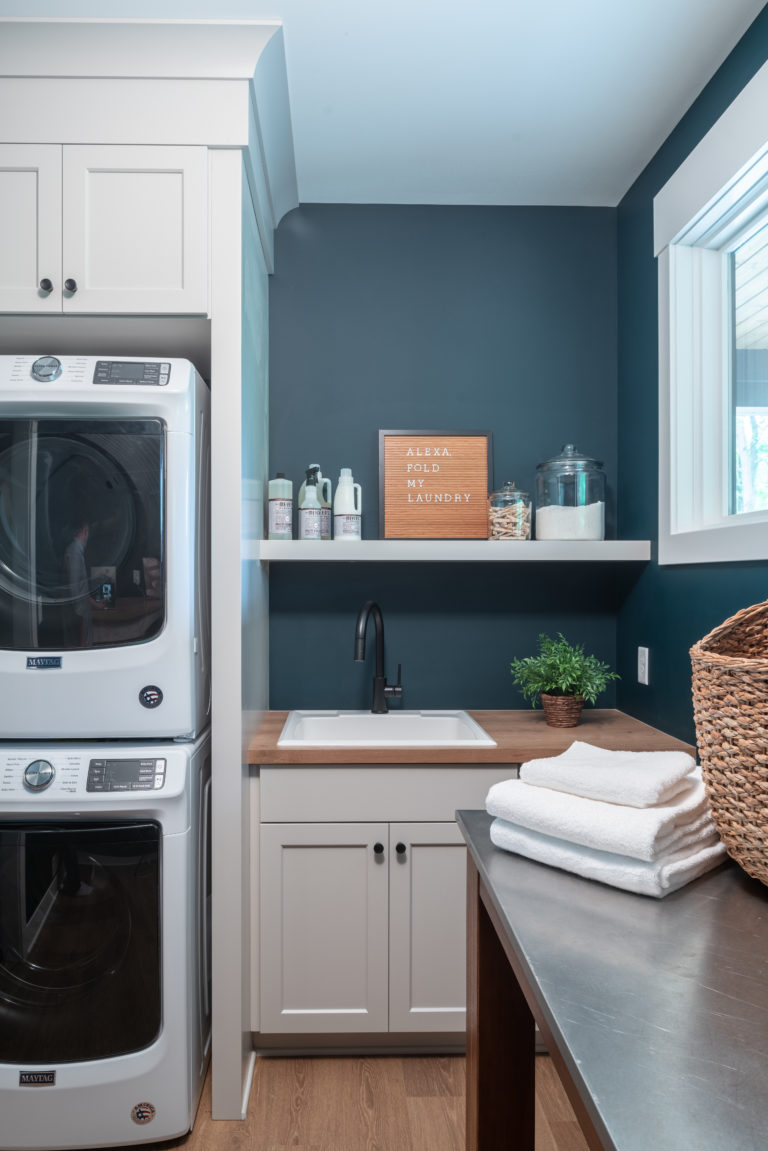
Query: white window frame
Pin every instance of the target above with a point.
(715, 191)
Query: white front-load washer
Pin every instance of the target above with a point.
(104, 548)
(105, 889)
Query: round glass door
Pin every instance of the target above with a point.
(81, 533)
(79, 940)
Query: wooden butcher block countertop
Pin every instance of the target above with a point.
(519, 735)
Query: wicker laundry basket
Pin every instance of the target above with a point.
(730, 706)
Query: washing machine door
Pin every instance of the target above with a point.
(79, 940)
(81, 533)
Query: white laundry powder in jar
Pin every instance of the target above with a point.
(558, 522)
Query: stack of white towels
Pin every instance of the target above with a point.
(632, 819)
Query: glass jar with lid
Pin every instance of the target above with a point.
(509, 513)
(570, 497)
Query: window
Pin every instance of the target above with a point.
(749, 375)
(711, 236)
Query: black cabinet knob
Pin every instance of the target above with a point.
(400, 848)
(70, 285)
(46, 285)
(378, 849)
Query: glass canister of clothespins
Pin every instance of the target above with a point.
(509, 513)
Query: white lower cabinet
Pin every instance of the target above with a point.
(363, 922)
(324, 913)
(427, 927)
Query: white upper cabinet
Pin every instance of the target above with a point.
(30, 228)
(104, 229)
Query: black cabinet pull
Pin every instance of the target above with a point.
(378, 849)
(46, 285)
(400, 848)
(70, 285)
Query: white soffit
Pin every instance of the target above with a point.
(167, 49)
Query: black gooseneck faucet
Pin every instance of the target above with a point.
(382, 691)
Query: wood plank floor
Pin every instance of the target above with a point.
(387, 1103)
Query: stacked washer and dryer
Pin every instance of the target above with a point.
(105, 879)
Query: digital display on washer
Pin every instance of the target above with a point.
(125, 774)
(151, 372)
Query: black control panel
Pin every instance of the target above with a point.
(126, 774)
(155, 373)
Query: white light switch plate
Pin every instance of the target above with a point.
(642, 665)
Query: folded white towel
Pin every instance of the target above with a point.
(688, 835)
(658, 879)
(640, 832)
(637, 778)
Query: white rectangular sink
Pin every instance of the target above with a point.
(392, 729)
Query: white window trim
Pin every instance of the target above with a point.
(725, 172)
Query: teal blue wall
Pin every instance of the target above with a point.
(541, 325)
(499, 319)
(670, 608)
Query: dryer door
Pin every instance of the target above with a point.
(81, 533)
(79, 940)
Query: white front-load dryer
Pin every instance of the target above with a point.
(105, 973)
(104, 548)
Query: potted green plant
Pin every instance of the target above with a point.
(562, 676)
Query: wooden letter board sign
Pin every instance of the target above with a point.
(434, 485)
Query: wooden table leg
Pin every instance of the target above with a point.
(501, 1040)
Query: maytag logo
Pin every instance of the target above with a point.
(43, 661)
(37, 1078)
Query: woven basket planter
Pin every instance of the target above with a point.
(730, 707)
(562, 710)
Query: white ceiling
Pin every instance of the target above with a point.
(474, 102)
(492, 101)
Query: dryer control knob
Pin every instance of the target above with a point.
(39, 774)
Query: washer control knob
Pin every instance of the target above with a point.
(38, 774)
(45, 369)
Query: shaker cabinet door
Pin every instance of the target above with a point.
(30, 228)
(428, 936)
(135, 229)
(324, 896)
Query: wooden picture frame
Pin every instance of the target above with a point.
(434, 484)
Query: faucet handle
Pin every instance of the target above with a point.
(395, 690)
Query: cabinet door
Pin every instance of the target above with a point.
(324, 892)
(428, 927)
(30, 227)
(135, 229)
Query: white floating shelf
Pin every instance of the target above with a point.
(448, 551)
